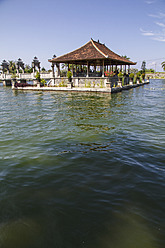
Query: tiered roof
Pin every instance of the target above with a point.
(92, 51)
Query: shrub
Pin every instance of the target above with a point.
(131, 75)
(69, 74)
(37, 76)
(120, 75)
(138, 75)
(43, 81)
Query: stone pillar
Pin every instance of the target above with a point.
(53, 70)
(103, 69)
(17, 68)
(58, 69)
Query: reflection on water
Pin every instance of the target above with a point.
(82, 170)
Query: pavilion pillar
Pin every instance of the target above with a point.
(128, 69)
(52, 70)
(72, 69)
(88, 67)
(121, 68)
(125, 68)
(103, 69)
(58, 69)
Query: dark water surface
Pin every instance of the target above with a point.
(82, 170)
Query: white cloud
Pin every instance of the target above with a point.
(160, 15)
(158, 33)
(160, 24)
(159, 38)
(146, 33)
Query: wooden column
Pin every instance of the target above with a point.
(103, 69)
(128, 69)
(72, 69)
(88, 67)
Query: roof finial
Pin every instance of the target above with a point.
(98, 41)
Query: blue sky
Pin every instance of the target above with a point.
(135, 28)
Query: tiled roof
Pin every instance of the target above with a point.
(91, 51)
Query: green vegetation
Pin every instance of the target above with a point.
(62, 83)
(163, 65)
(101, 83)
(69, 74)
(120, 75)
(131, 75)
(125, 57)
(14, 75)
(37, 76)
(43, 81)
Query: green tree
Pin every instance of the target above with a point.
(125, 57)
(28, 69)
(163, 65)
(12, 66)
(43, 69)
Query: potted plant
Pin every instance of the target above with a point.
(110, 75)
(131, 77)
(38, 78)
(120, 75)
(69, 76)
(13, 77)
(143, 76)
(138, 77)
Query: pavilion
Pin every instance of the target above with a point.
(91, 55)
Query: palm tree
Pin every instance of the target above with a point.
(163, 65)
(12, 66)
(125, 56)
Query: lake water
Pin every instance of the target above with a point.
(83, 170)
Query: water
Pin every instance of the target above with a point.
(82, 170)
